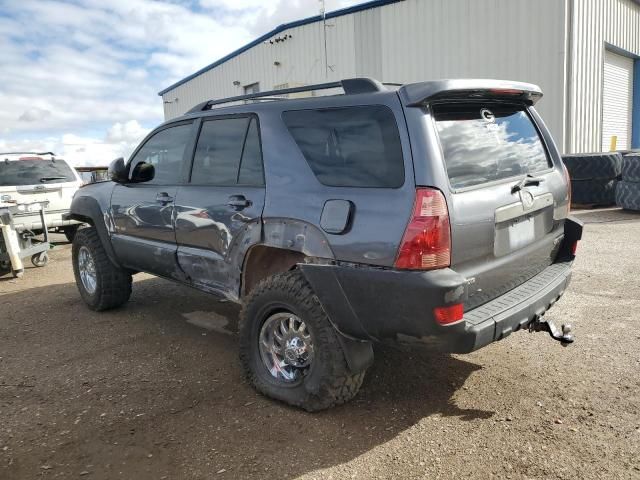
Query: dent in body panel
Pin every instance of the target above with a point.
(288, 235)
(296, 235)
(220, 274)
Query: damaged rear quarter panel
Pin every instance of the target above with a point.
(378, 216)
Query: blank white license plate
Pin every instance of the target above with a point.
(521, 234)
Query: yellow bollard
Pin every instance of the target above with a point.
(614, 143)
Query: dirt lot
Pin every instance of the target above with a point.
(154, 390)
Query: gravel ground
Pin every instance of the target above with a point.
(154, 390)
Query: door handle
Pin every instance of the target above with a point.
(164, 198)
(238, 202)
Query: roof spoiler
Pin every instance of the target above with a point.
(416, 94)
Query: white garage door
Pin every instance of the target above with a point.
(617, 94)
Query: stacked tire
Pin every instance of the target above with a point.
(594, 177)
(628, 189)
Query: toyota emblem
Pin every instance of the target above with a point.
(487, 115)
(527, 199)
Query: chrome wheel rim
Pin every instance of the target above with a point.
(87, 270)
(286, 347)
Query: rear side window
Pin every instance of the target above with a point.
(349, 147)
(34, 172)
(487, 142)
(228, 153)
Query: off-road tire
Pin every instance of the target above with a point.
(631, 167)
(593, 192)
(590, 166)
(70, 232)
(628, 195)
(329, 381)
(113, 283)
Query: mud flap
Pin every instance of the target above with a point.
(352, 337)
(572, 233)
(359, 354)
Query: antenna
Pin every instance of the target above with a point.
(323, 12)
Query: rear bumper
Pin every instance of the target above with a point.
(392, 306)
(512, 311)
(397, 307)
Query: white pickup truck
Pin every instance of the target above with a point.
(27, 177)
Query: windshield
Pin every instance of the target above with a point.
(484, 142)
(34, 172)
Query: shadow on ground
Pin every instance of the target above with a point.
(606, 215)
(141, 392)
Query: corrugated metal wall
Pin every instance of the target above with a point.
(408, 41)
(597, 24)
(509, 39)
(301, 58)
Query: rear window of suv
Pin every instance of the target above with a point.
(34, 172)
(350, 146)
(487, 142)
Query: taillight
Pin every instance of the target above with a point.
(450, 314)
(568, 179)
(426, 243)
(574, 248)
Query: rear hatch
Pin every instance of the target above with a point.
(502, 195)
(38, 179)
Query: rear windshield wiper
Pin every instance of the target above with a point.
(49, 179)
(527, 181)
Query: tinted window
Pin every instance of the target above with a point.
(34, 172)
(487, 142)
(228, 153)
(349, 147)
(165, 151)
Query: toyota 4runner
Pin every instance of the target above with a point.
(432, 214)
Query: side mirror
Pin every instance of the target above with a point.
(118, 171)
(143, 172)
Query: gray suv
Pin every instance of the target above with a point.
(432, 214)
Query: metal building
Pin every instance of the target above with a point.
(585, 54)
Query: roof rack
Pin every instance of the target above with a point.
(350, 86)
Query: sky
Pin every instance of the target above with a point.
(80, 78)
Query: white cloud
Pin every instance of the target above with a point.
(126, 132)
(83, 150)
(93, 66)
(34, 114)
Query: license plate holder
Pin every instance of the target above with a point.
(522, 232)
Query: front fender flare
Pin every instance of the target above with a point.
(86, 208)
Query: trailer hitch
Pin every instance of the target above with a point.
(562, 334)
